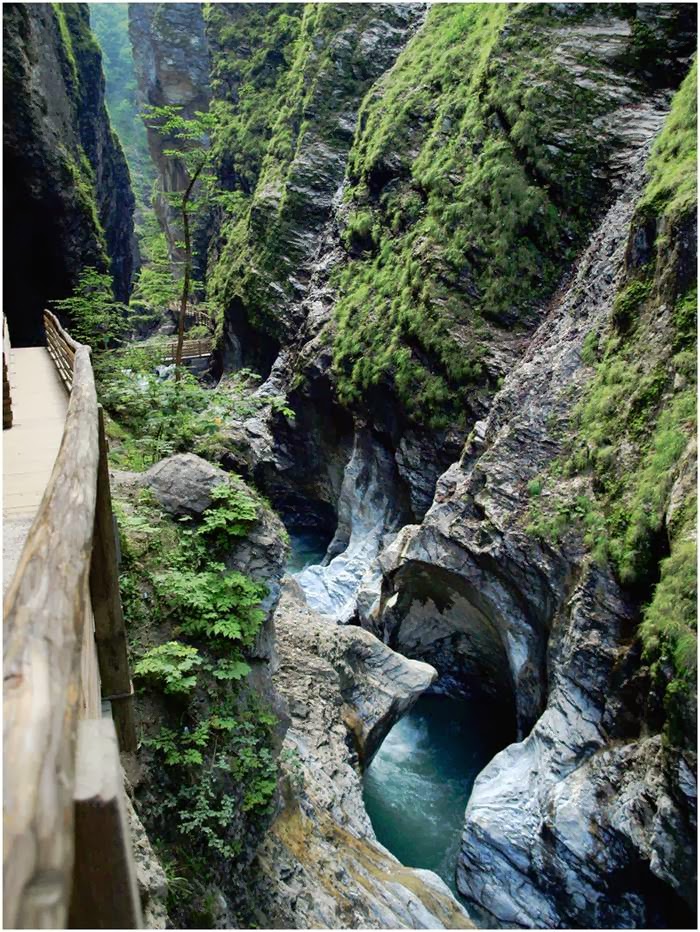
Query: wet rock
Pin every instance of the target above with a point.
(320, 863)
(369, 509)
(575, 824)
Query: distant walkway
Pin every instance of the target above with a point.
(39, 405)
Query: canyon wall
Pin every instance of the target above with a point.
(68, 199)
(460, 244)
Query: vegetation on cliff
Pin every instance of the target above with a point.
(636, 425)
(477, 169)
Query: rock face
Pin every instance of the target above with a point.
(171, 60)
(68, 199)
(320, 865)
(575, 825)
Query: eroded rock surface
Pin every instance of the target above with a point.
(320, 865)
(575, 824)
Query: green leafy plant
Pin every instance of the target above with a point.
(213, 602)
(96, 318)
(174, 664)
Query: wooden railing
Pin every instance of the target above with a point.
(67, 856)
(191, 349)
(6, 387)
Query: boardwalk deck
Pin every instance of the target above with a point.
(40, 402)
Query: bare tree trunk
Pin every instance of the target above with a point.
(188, 273)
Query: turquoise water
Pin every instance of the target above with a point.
(417, 787)
(306, 548)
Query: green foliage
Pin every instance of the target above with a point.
(474, 210)
(214, 739)
(589, 351)
(96, 318)
(669, 629)
(156, 287)
(213, 603)
(188, 136)
(66, 38)
(172, 663)
(534, 487)
(233, 515)
(358, 230)
(158, 417)
(672, 188)
(628, 301)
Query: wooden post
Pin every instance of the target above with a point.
(105, 893)
(6, 361)
(110, 632)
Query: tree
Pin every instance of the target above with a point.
(96, 318)
(191, 135)
(155, 287)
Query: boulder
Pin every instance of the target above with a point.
(183, 484)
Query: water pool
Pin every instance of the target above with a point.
(307, 547)
(417, 787)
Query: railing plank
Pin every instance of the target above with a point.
(110, 633)
(6, 387)
(105, 893)
(44, 619)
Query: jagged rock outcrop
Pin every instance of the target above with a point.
(320, 865)
(68, 199)
(576, 824)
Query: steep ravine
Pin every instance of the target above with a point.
(438, 359)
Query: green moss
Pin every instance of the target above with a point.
(476, 156)
(669, 629)
(672, 189)
(66, 38)
(627, 302)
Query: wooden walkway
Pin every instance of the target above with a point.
(40, 403)
(68, 705)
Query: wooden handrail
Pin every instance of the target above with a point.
(191, 349)
(62, 348)
(44, 614)
(6, 387)
(65, 586)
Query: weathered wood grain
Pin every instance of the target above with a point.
(110, 633)
(44, 619)
(6, 387)
(104, 892)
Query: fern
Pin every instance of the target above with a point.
(172, 663)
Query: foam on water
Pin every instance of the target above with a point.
(418, 785)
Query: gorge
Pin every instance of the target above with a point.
(409, 568)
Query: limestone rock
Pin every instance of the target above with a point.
(577, 823)
(150, 876)
(320, 864)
